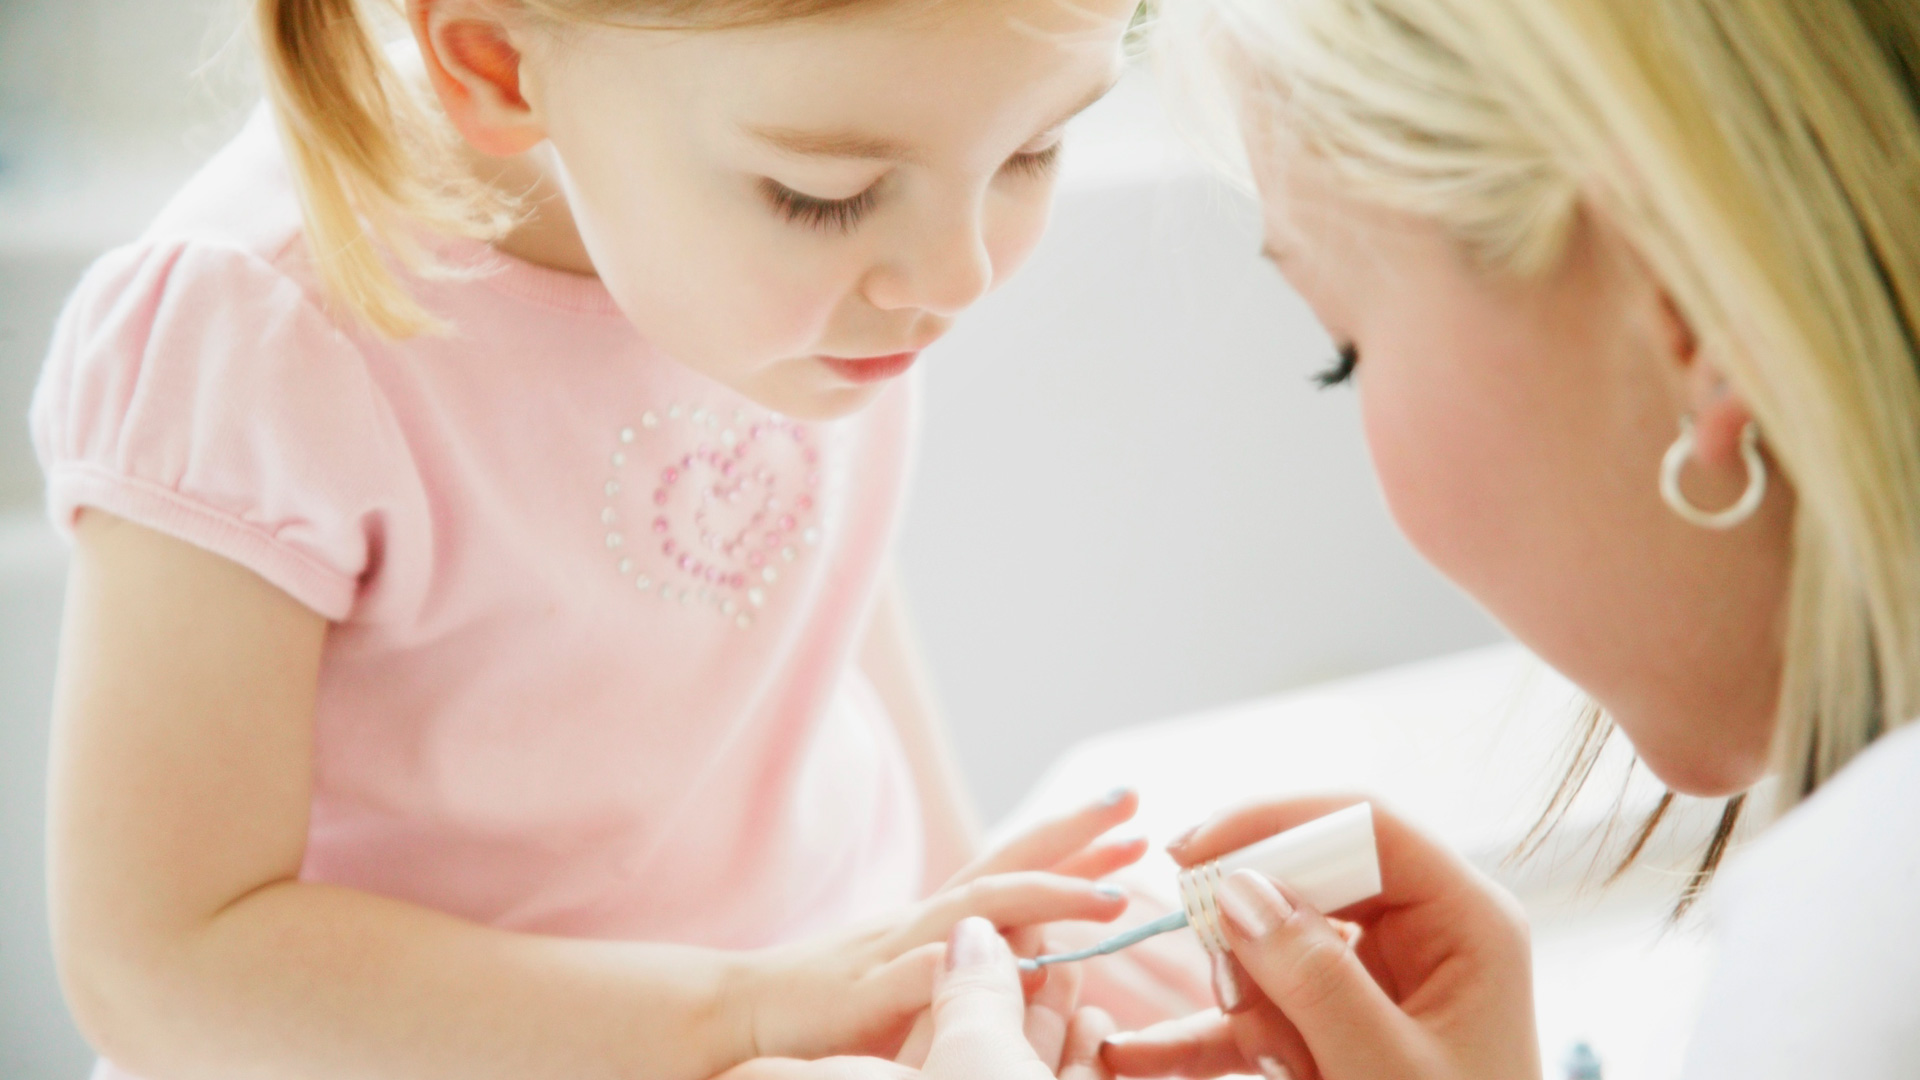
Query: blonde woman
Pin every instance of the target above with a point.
(1629, 289)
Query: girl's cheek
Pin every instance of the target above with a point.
(1017, 231)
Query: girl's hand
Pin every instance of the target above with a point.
(1437, 986)
(859, 993)
(980, 1027)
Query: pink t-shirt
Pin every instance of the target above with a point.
(593, 614)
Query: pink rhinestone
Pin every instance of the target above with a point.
(668, 549)
(660, 496)
(803, 503)
(786, 522)
(660, 525)
(812, 456)
(669, 475)
(755, 559)
(686, 562)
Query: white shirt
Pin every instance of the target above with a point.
(1818, 925)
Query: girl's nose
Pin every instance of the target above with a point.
(942, 269)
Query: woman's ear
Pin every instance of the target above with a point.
(1719, 416)
(475, 69)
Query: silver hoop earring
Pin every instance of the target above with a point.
(1741, 510)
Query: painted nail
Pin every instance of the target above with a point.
(1251, 904)
(1271, 1068)
(1107, 890)
(971, 943)
(1116, 796)
(1185, 838)
(1227, 991)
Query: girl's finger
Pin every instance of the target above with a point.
(1016, 900)
(1102, 859)
(1309, 971)
(902, 987)
(1048, 843)
(1050, 1011)
(1200, 1046)
(1080, 1056)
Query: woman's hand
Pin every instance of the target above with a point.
(1436, 985)
(859, 993)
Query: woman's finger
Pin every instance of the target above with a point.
(1201, 1045)
(1048, 843)
(1080, 1056)
(1306, 968)
(1102, 859)
(1414, 868)
(1015, 900)
(1270, 1043)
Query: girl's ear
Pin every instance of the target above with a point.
(1719, 416)
(475, 70)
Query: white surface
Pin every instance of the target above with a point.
(1466, 747)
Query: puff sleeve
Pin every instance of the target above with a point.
(198, 391)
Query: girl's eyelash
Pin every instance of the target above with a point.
(826, 215)
(1340, 369)
(1037, 163)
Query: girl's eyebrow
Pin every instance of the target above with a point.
(863, 147)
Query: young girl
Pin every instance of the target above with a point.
(478, 660)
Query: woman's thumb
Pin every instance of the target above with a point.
(1309, 970)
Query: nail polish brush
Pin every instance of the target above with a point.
(1328, 862)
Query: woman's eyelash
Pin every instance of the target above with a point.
(1340, 369)
(826, 215)
(1037, 163)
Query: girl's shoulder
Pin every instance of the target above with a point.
(1818, 945)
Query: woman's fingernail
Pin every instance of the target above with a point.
(1183, 839)
(1122, 1039)
(971, 943)
(1116, 796)
(1271, 1068)
(1107, 890)
(1251, 904)
(1227, 990)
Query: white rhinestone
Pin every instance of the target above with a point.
(726, 607)
(743, 620)
(769, 575)
(613, 488)
(686, 596)
(607, 515)
(614, 540)
(626, 567)
(773, 503)
(673, 413)
(756, 596)
(666, 592)
(740, 417)
(649, 420)
(643, 583)
(787, 553)
(728, 438)
(699, 416)
(811, 536)
(626, 434)
(619, 459)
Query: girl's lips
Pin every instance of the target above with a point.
(866, 369)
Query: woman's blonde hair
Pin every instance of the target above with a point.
(374, 162)
(1763, 156)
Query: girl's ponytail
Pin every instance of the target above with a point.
(370, 163)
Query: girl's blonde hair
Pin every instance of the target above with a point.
(1763, 156)
(374, 162)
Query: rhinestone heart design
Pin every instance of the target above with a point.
(708, 512)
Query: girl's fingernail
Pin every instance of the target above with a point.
(1251, 904)
(1107, 890)
(1116, 796)
(971, 943)
(1271, 1068)
(1227, 990)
